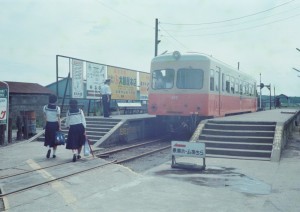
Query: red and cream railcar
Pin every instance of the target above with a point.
(194, 85)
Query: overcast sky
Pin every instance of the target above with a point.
(261, 35)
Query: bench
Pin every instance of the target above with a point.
(131, 107)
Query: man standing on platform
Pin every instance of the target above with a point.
(106, 97)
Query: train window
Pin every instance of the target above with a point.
(169, 78)
(231, 84)
(227, 84)
(212, 80)
(251, 89)
(244, 88)
(190, 78)
(237, 85)
(247, 88)
(217, 77)
(241, 88)
(223, 82)
(162, 79)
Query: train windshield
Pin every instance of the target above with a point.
(190, 78)
(163, 79)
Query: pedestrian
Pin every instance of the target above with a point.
(76, 123)
(52, 120)
(106, 97)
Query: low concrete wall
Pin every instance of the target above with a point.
(131, 130)
(282, 133)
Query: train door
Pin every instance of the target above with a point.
(218, 89)
(215, 87)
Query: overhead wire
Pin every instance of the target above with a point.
(170, 35)
(234, 24)
(241, 29)
(124, 15)
(212, 25)
(232, 19)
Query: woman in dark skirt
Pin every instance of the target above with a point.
(75, 120)
(52, 119)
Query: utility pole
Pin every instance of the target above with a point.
(270, 96)
(274, 98)
(156, 37)
(260, 91)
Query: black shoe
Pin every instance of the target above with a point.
(54, 156)
(48, 153)
(78, 156)
(74, 158)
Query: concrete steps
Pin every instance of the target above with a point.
(237, 139)
(96, 128)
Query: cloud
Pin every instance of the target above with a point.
(121, 33)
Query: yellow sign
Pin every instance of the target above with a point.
(144, 85)
(123, 83)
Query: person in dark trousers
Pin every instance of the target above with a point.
(106, 97)
(52, 119)
(76, 123)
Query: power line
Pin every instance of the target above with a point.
(233, 19)
(231, 25)
(124, 15)
(243, 29)
(174, 38)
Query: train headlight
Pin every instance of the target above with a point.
(176, 55)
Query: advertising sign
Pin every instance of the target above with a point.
(95, 76)
(123, 83)
(144, 85)
(77, 79)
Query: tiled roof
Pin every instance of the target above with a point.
(27, 88)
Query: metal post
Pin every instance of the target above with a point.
(260, 91)
(156, 37)
(57, 76)
(274, 99)
(270, 97)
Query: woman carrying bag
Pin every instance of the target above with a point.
(52, 118)
(76, 123)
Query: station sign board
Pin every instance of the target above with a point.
(188, 149)
(3, 105)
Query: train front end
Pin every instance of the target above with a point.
(177, 93)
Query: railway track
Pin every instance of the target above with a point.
(113, 156)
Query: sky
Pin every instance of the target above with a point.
(259, 35)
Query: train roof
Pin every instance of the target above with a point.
(176, 55)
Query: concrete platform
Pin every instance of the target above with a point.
(277, 115)
(225, 185)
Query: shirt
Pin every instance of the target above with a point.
(51, 114)
(105, 90)
(75, 118)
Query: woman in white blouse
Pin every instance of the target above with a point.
(52, 119)
(76, 123)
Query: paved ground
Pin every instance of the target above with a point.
(226, 184)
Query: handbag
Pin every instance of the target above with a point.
(86, 148)
(60, 138)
